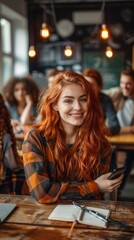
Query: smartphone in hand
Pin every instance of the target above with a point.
(116, 173)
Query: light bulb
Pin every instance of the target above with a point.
(45, 32)
(68, 51)
(109, 52)
(104, 32)
(31, 52)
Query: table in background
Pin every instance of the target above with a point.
(29, 221)
(122, 141)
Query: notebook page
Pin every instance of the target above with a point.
(65, 213)
(89, 219)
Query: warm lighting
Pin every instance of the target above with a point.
(104, 32)
(68, 51)
(32, 52)
(109, 52)
(45, 32)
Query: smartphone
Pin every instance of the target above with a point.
(116, 173)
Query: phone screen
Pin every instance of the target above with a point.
(116, 173)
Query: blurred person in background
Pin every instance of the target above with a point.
(12, 178)
(21, 97)
(123, 100)
(109, 112)
(51, 75)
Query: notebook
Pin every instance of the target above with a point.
(71, 212)
(5, 210)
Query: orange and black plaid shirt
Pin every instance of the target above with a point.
(39, 174)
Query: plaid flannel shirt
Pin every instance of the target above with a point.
(39, 173)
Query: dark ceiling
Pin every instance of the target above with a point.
(74, 1)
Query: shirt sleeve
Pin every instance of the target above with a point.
(91, 188)
(35, 166)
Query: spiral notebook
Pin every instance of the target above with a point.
(71, 212)
(5, 210)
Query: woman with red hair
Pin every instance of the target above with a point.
(109, 112)
(67, 154)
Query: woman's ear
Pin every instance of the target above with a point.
(55, 107)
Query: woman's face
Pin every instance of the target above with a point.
(20, 92)
(72, 105)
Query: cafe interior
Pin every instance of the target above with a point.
(37, 36)
(40, 35)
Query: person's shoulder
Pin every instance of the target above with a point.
(113, 93)
(11, 108)
(6, 137)
(112, 90)
(31, 132)
(104, 96)
(33, 135)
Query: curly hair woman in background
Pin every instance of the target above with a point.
(12, 178)
(67, 154)
(21, 97)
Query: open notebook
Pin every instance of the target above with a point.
(71, 212)
(5, 210)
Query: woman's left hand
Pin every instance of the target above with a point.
(106, 185)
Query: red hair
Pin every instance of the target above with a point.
(93, 73)
(91, 145)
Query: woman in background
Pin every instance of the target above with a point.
(109, 112)
(66, 154)
(21, 97)
(12, 179)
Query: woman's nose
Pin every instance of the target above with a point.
(77, 105)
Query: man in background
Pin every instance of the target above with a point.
(123, 100)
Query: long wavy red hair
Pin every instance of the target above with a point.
(91, 144)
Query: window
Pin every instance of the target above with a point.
(6, 49)
(13, 44)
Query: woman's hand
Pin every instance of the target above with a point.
(29, 100)
(106, 185)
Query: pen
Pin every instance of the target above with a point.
(94, 213)
(101, 216)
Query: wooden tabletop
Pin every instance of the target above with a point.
(123, 141)
(30, 221)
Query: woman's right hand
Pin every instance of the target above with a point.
(106, 185)
(29, 100)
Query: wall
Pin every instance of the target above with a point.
(18, 6)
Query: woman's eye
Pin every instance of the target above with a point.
(68, 101)
(83, 100)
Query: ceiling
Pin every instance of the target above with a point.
(74, 1)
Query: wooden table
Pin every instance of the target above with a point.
(122, 141)
(29, 221)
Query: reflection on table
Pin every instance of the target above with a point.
(29, 221)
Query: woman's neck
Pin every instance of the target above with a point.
(71, 134)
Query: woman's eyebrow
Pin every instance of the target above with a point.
(73, 96)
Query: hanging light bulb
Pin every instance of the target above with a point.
(45, 32)
(68, 51)
(104, 32)
(109, 52)
(31, 51)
